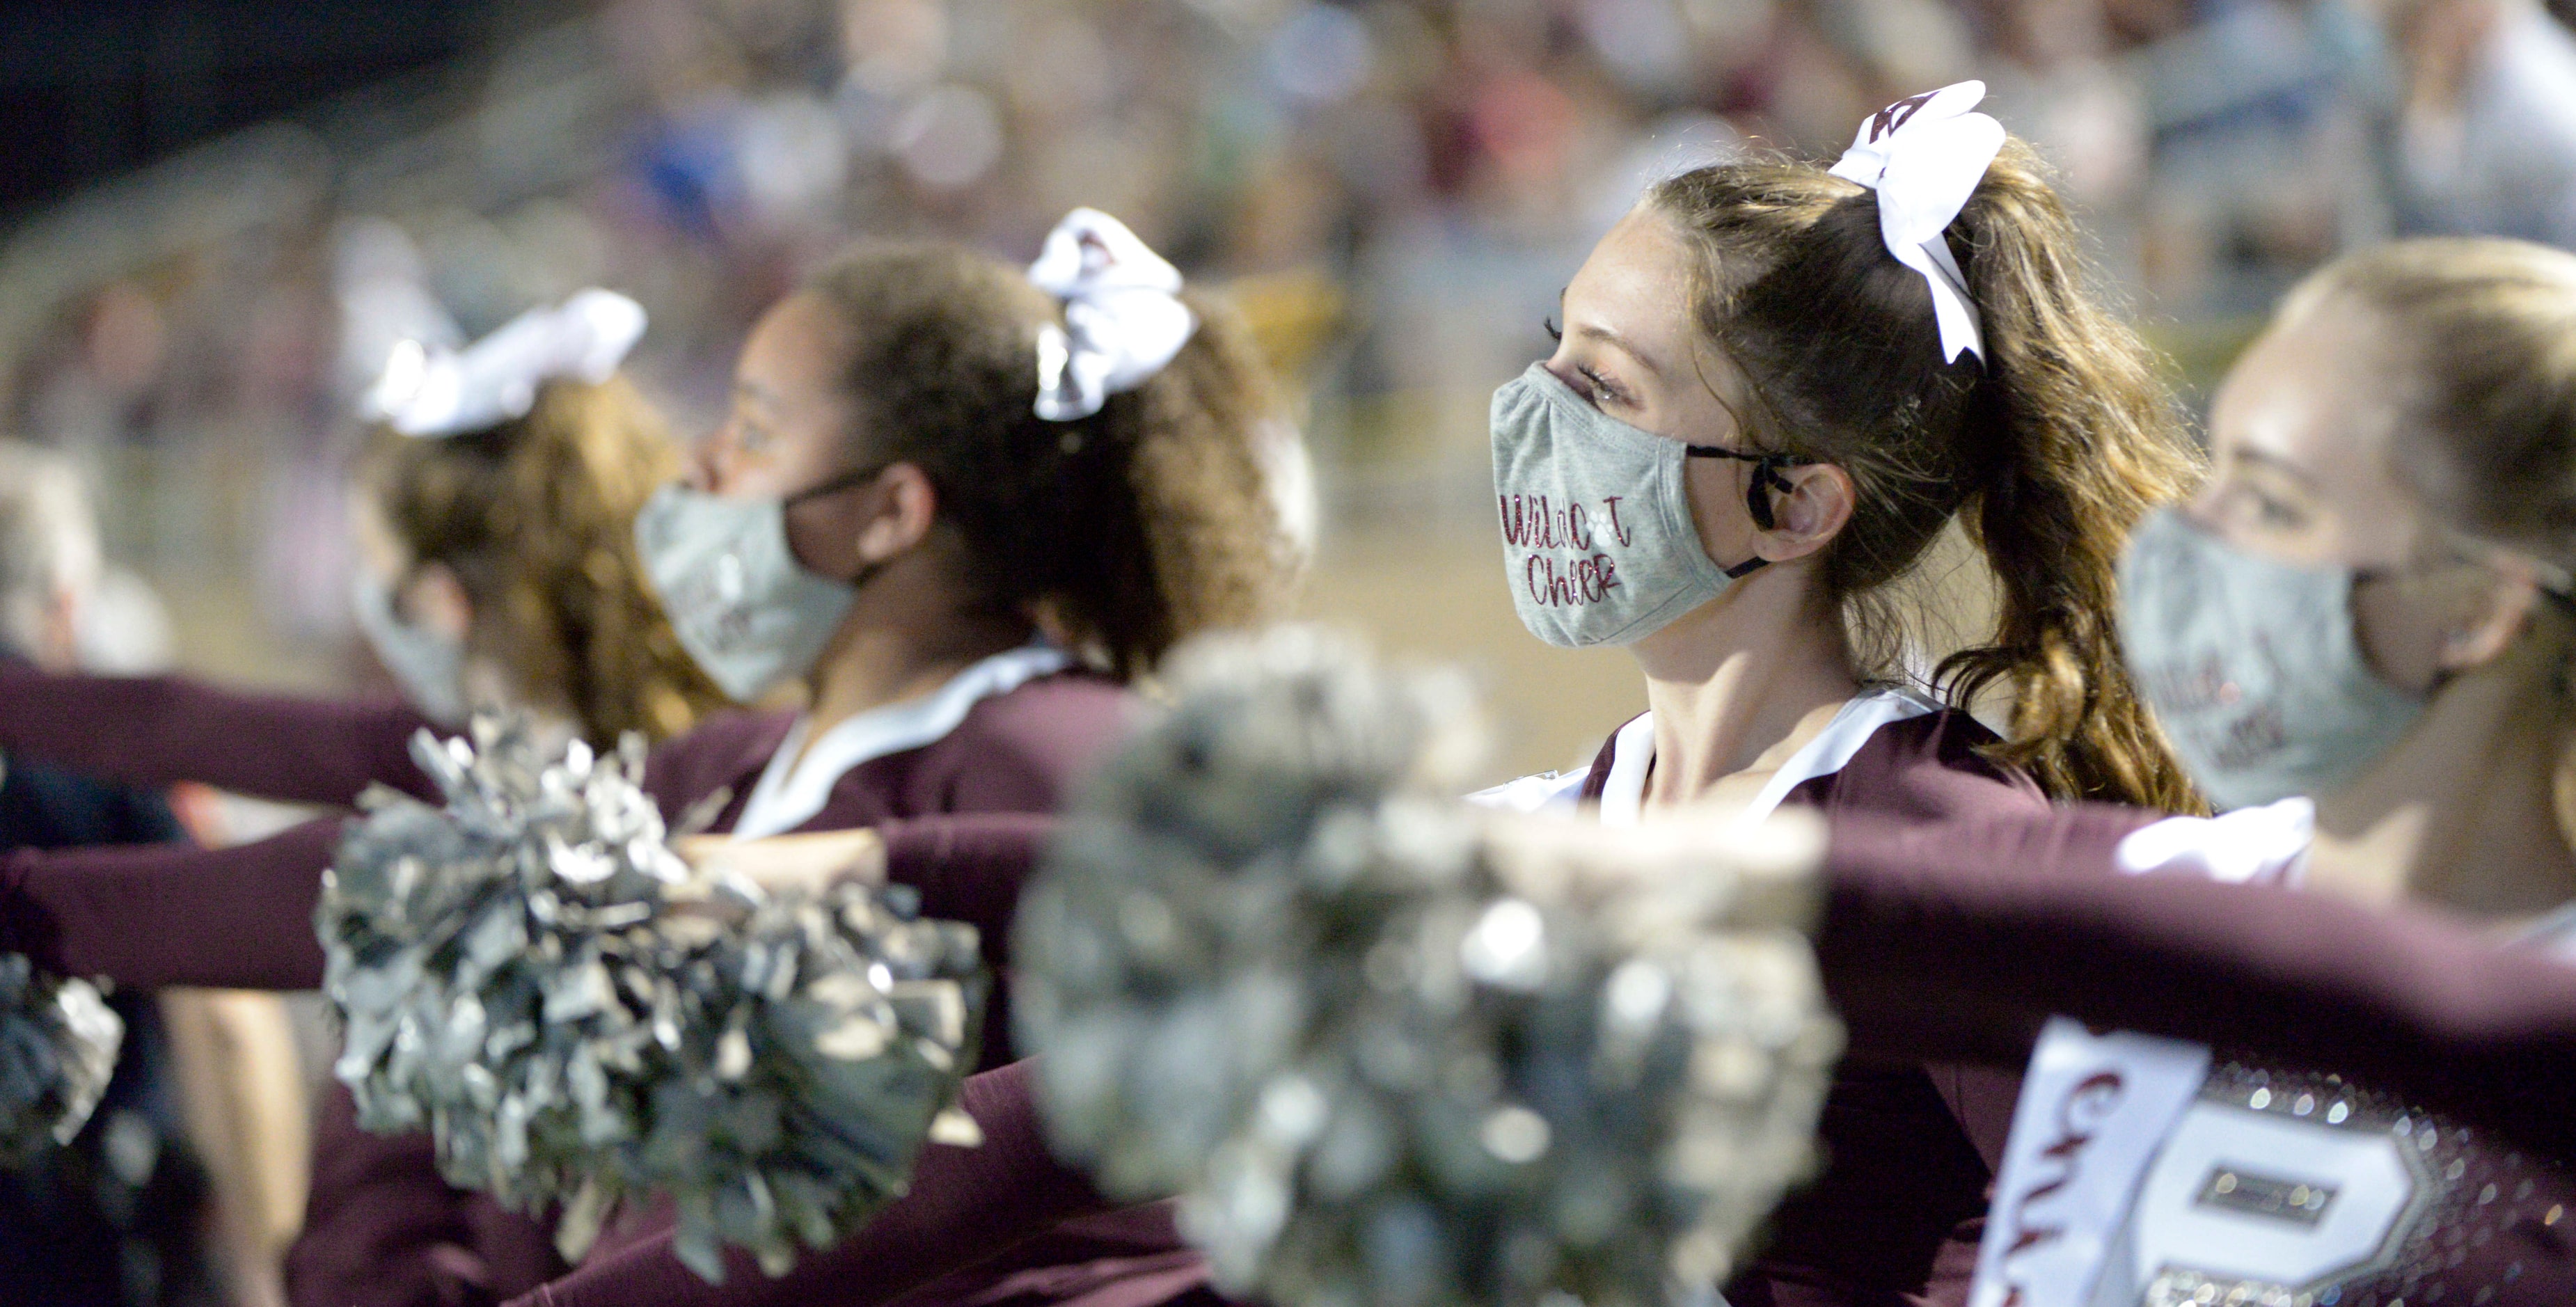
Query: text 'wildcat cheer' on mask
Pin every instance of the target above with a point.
(2252, 666)
(1598, 543)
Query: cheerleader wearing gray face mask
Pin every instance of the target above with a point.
(2252, 666)
(1599, 546)
(745, 609)
(428, 664)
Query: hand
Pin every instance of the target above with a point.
(791, 863)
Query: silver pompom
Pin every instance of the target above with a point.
(535, 977)
(1393, 1050)
(58, 1045)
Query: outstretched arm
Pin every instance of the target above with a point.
(149, 916)
(1957, 944)
(157, 730)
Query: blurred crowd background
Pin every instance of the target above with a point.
(216, 218)
(1394, 189)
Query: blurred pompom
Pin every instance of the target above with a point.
(517, 978)
(58, 1044)
(1393, 1050)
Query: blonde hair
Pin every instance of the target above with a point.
(2479, 347)
(536, 517)
(2046, 453)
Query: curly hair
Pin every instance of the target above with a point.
(536, 517)
(2047, 452)
(1127, 531)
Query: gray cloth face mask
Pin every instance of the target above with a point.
(2252, 666)
(745, 609)
(1598, 541)
(428, 664)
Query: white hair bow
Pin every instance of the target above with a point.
(1924, 155)
(434, 391)
(1123, 318)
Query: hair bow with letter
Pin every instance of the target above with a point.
(1924, 155)
(1123, 318)
(433, 391)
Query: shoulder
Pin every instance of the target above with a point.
(1038, 737)
(727, 749)
(1930, 766)
(1068, 701)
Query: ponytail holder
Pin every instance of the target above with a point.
(1924, 155)
(435, 392)
(1123, 318)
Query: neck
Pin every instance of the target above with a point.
(876, 659)
(2463, 812)
(1736, 679)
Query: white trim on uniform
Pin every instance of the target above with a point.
(1632, 757)
(793, 789)
(2268, 844)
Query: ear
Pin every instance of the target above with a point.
(434, 600)
(843, 533)
(903, 505)
(2487, 618)
(1806, 517)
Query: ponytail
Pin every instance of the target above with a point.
(2046, 451)
(2075, 439)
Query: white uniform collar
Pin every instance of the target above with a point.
(791, 790)
(1632, 754)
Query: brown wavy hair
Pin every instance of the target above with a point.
(2047, 453)
(1125, 532)
(536, 517)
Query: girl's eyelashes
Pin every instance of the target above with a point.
(1548, 324)
(2266, 511)
(1601, 388)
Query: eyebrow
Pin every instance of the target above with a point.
(1614, 340)
(2263, 458)
(756, 392)
(1595, 331)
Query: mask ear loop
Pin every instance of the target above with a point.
(833, 486)
(1757, 496)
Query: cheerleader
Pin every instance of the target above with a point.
(2357, 637)
(963, 506)
(1737, 482)
(493, 512)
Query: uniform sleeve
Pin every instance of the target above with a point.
(1957, 944)
(969, 868)
(159, 915)
(966, 1206)
(157, 730)
(382, 1229)
(1929, 769)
